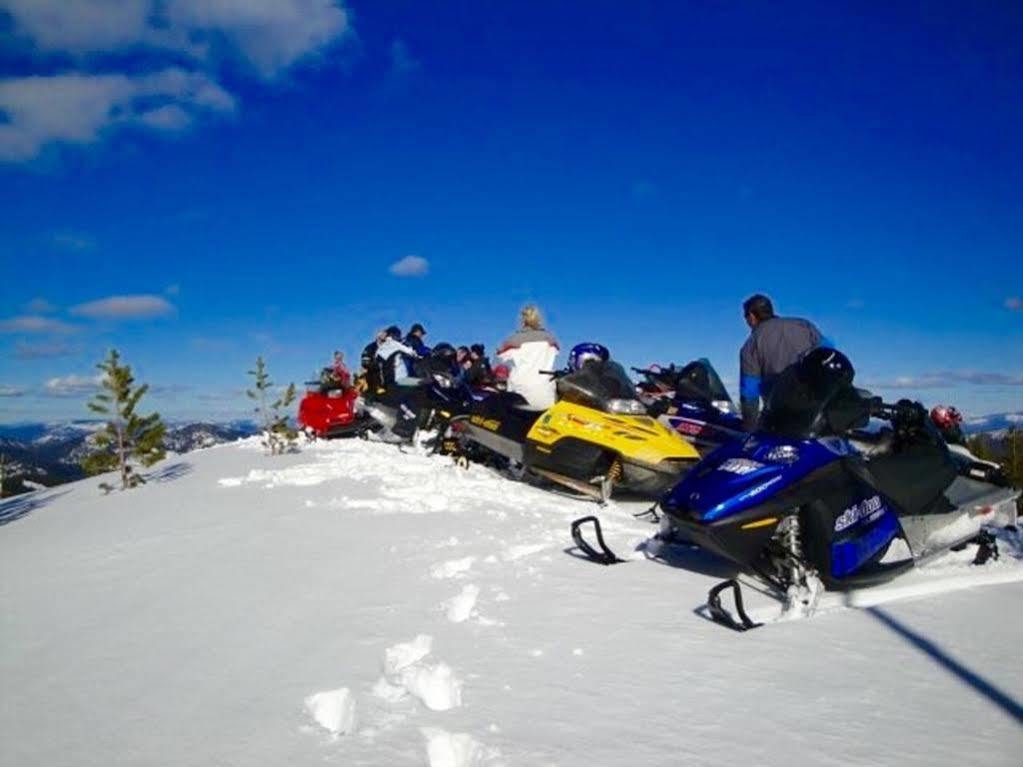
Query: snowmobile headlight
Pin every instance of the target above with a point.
(442, 381)
(724, 406)
(626, 406)
(783, 454)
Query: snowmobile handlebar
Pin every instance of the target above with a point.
(904, 411)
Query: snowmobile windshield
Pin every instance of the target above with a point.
(699, 381)
(597, 385)
(809, 399)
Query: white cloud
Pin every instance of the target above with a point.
(124, 308)
(39, 306)
(946, 378)
(81, 108)
(270, 35)
(10, 391)
(33, 323)
(72, 386)
(24, 351)
(1014, 304)
(410, 266)
(190, 41)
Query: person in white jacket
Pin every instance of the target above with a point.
(529, 350)
(393, 350)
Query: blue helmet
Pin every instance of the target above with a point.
(585, 352)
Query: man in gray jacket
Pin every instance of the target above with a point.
(774, 343)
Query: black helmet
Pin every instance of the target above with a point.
(416, 327)
(478, 349)
(443, 351)
(394, 331)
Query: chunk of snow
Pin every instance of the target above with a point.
(452, 568)
(405, 654)
(450, 749)
(460, 607)
(436, 686)
(333, 710)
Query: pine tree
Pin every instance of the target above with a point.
(127, 436)
(278, 435)
(3, 473)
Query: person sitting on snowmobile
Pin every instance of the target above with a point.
(340, 372)
(479, 369)
(774, 343)
(414, 340)
(950, 423)
(392, 355)
(531, 349)
(370, 364)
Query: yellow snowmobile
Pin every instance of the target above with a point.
(597, 438)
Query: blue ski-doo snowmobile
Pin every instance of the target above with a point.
(811, 499)
(693, 401)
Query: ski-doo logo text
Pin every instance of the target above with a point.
(740, 466)
(869, 509)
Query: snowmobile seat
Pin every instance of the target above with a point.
(914, 475)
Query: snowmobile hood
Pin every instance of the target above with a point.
(742, 474)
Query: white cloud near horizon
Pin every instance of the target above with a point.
(410, 266)
(947, 378)
(32, 323)
(124, 308)
(191, 41)
(72, 385)
(6, 390)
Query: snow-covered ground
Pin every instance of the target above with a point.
(353, 605)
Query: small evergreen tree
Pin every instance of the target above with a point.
(127, 436)
(278, 435)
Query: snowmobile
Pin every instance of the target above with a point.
(328, 410)
(596, 438)
(692, 401)
(811, 500)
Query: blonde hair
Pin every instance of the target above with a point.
(531, 317)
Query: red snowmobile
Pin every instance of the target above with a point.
(330, 410)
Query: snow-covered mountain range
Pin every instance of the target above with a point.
(49, 454)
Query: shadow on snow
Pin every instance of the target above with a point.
(13, 509)
(998, 697)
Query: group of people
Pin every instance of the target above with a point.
(774, 343)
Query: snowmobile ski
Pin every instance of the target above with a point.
(718, 612)
(604, 556)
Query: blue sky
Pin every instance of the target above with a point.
(196, 183)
